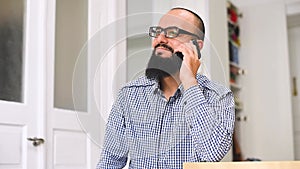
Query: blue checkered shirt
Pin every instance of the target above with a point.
(194, 125)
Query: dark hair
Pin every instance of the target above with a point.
(201, 23)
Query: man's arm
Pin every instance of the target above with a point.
(115, 149)
(211, 121)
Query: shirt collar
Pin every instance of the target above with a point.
(156, 89)
(203, 81)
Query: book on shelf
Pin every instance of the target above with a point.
(232, 12)
(233, 53)
(234, 33)
(234, 86)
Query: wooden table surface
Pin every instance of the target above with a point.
(244, 165)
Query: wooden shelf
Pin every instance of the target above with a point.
(235, 65)
(232, 23)
(235, 86)
(234, 43)
(238, 108)
(240, 70)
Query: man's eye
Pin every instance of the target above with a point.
(153, 31)
(172, 33)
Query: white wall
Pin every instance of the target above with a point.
(218, 41)
(267, 134)
(139, 18)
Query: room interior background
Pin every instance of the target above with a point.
(48, 36)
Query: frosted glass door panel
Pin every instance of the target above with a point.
(11, 50)
(70, 36)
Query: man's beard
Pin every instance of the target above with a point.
(159, 67)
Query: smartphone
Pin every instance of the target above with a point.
(179, 54)
(197, 47)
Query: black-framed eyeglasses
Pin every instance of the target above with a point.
(170, 32)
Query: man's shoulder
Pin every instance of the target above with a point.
(213, 86)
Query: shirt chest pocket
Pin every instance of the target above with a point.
(142, 131)
(144, 121)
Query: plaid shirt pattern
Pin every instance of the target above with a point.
(192, 126)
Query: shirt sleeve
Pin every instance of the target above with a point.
(114, 153)
(210, 118)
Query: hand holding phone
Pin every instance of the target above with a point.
(179, 54)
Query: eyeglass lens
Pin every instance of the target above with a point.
(170, 32)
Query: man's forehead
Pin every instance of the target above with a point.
(181, 20)
(171, 20)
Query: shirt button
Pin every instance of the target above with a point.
(191, 126)
(184, 103)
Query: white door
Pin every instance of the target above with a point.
(76, 78)
(67, 31)
(21, 84)
(294, 42)
(39, 44)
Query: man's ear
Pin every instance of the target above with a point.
(201, 43)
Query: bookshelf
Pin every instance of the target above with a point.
(236, 71)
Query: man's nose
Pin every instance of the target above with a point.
(161, 38)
